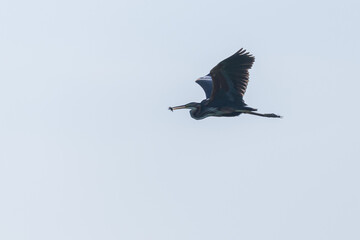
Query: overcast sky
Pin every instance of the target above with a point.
(89, 150)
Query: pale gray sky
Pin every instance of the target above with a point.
(90, 151)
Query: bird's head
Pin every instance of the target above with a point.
(192, 105)
(197, 110)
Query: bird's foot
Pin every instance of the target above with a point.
(272, 115)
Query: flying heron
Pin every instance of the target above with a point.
(224, 88)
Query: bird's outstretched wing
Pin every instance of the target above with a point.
(230, 77)
(207, 84)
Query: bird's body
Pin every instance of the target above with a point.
(225, 87)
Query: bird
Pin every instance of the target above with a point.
(224, 88)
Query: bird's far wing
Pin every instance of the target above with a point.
(231, 76)
(207, 84)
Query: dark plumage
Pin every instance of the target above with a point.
(225, 87)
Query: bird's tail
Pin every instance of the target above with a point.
(249, 109)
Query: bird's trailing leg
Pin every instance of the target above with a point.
(269, 115)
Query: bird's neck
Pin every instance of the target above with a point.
(196, 113)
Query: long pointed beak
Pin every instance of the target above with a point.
(177, 107)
